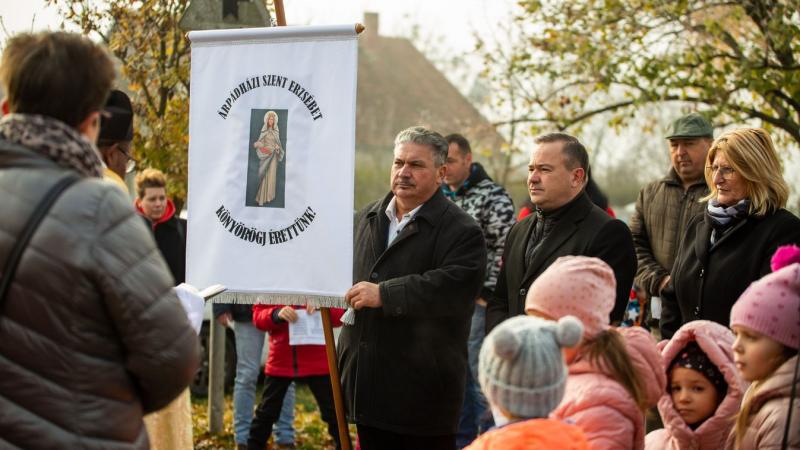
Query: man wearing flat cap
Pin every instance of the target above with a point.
(665, 206)
(116, 136)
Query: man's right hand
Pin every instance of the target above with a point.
(225, 319)
(664, 284)
(288, 314)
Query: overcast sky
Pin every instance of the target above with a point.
(453, 20)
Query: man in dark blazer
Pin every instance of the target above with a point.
(419, 264)
(566, 222)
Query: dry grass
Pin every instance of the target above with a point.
(310, 431)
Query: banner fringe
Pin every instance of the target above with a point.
(251, 298)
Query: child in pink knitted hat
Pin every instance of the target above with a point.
(766, 322)
(614, 374)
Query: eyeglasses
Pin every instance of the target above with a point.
(726, 172)
(125, 150)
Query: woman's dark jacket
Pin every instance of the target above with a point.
(708, 279)
(170, 234)
(92, 336)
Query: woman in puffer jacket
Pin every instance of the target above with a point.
(615, 375)
(705, 348)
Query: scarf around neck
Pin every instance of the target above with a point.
(53, 139)
(723, 218)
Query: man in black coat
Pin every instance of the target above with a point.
(566, 222)
(419, 264)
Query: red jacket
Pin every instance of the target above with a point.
(291, 361)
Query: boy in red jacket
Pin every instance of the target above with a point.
(304, 363)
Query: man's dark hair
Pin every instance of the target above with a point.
(575, 154)
(461, 141)
(61, 75)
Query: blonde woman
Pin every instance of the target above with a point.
(730, 245)
(269, 151)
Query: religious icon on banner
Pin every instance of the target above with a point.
(266, 168)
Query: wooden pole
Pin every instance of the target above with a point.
(216, 377)
(336, 385)
(330, 344)
(280, 13)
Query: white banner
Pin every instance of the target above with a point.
(271, 163)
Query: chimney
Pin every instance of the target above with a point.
(371, 24)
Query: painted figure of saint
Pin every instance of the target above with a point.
(270, 152)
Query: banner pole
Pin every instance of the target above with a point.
(330, 344)
(336, 385)
(280, 13)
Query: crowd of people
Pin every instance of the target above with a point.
(470, 328)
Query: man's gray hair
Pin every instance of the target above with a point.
(423, 136)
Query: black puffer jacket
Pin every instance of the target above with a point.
(91, 333)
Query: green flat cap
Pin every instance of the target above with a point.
(691, 126)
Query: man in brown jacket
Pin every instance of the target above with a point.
(665, 206)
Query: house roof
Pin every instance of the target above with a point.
(398, 87)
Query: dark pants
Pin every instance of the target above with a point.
(269, 409)
(376, 439)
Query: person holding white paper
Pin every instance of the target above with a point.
(286, 363)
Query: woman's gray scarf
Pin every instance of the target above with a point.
(723, 218)
(54, 140)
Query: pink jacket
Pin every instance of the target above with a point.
(716, 341)
(601, 407)
(770, 406)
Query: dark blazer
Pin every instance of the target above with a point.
(706, 281)
(585, 230)
(404, 365)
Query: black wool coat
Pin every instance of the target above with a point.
(585, 230)
(170, 238)
(707, 280)
(403, 366)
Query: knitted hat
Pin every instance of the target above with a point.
(771, 306)
(521, 369)
(783, 256)
(693, 357)
(576, 285)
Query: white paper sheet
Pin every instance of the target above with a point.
(307, 330)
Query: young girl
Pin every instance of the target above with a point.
(766, 321)
(704, 389)
(522, 372)
(614, 374)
